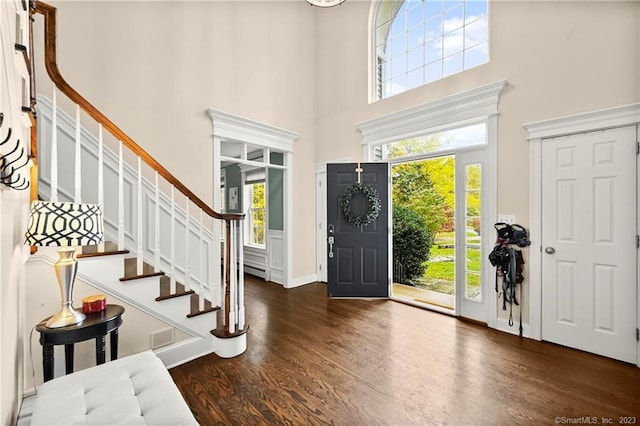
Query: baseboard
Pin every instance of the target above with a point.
(277, 276)
(257, 272)
(185, 351)
(297, 282)
(502, 324)
(26, 410)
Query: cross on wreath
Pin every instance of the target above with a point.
(359, 171)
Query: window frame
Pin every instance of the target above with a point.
(250, 214)
(377, 60)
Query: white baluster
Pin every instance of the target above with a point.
(215, 285)
(157, 227)
(217, 230)
(223, 287)
(139, 237)
(54, 147)
(204, 283)
(120, 198)
(187, 269)
(240, 280)
(78, 154)
(101, 177)
(232, 281)
(172, 285)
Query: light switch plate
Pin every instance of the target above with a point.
(509, 219)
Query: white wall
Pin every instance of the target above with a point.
(558, 57)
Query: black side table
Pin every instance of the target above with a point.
(96, 326)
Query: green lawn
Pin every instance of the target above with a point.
(440, 273)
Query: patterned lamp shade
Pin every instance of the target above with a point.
(64, 224)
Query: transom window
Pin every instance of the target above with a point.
(420, 41)
(433, 142)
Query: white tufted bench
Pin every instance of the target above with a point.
(135, 390)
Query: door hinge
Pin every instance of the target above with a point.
(637, 241)
(637, 148)
(637, 334)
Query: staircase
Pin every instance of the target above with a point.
(112, 271)
(169, 253)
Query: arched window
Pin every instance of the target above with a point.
(420, 41)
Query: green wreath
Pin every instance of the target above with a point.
(375, 205)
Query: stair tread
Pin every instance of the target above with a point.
(173, 296)
(131, 270)
(221, 333)
(206, 311)
(109, 248)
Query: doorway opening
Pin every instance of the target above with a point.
(424, 206)
(437, 191)
(426, 190)
(252, 175)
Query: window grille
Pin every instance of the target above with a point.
(421, 41)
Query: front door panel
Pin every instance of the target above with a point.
(358, 256)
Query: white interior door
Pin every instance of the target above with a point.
(589, 284)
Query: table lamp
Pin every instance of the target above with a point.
(67, 225)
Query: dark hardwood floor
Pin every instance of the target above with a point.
(314, 360)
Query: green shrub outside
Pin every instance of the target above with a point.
(412, 242)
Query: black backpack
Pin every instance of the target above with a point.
(509, 263)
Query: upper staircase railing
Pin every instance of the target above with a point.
(223, 283)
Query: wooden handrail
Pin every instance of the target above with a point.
(50, 55)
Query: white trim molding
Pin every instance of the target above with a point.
(619, 116)
(537, 133)
(460, 107)
(321, 216)
(232, 128)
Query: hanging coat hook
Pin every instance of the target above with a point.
(7, 138)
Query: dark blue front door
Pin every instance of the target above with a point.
(358, 263)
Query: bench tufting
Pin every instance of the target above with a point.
(135, 390)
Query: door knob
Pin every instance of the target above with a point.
(549, 250)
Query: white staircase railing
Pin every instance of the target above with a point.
(178, 234)
(135, 226)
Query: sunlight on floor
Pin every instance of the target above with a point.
(416, 294)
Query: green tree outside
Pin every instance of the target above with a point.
(258, 213)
